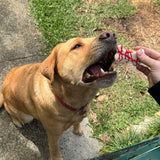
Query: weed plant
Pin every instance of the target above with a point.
(124, 140)
(132, 136)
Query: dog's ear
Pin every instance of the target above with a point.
(48, 65)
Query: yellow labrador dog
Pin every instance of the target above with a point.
(58, 90)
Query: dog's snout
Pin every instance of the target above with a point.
(108, 36)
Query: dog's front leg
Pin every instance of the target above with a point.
(77, 129)
(53, 141)
(54, 131)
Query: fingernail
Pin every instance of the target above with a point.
(140, 52)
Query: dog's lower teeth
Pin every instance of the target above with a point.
(87, 74)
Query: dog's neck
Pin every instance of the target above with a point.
(82, 110)
(73, 95)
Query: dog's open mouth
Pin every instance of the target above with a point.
(101, 68)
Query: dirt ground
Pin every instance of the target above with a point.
(143, 28)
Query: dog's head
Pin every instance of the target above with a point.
(83, 61)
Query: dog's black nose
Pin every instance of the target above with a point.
(108, 36)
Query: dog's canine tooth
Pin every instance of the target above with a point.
(87, 74)
(102, 70)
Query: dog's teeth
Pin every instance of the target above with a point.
(102, 70)
(87, 74)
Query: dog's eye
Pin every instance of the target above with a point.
(76, 46)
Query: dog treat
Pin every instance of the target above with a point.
(126, 54)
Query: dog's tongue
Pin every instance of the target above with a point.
(94, 70)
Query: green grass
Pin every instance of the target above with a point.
(121, 9)
(154, 128)
(56, 19)
(128, 104)
(157, 2)
(132, 136)
(124, 140)
(59, 21)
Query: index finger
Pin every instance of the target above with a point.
(149, 52)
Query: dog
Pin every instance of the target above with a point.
(58, 91)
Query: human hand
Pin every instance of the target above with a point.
(151, 59)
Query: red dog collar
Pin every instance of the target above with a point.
(82, 110)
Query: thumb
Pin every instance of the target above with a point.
(144, 58)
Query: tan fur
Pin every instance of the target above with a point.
(28, 91)
(1, 99)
